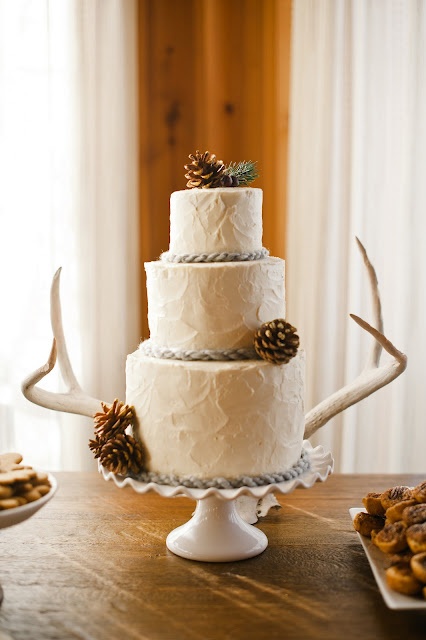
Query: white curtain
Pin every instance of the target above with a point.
(68, 197)
(357, 158)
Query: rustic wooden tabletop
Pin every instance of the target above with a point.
(92, 564)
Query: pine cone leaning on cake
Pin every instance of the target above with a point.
(121, 454)
(118, 451)
(276, 341)
(113, 419)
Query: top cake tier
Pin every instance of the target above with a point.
(216, 220)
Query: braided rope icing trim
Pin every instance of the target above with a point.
(224, 256)
(167, 353)
(191, 482)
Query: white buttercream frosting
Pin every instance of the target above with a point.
(211, 419)
(215, 419)
(213, 306)
(216, 220)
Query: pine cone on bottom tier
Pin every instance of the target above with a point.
(96, 446)
(205, 172)
(113, 419)
(121, 454)
(276, 341)
(117, 451)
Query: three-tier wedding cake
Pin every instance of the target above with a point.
(215, 395)
(206, 405)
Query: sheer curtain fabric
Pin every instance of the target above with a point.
(68, 166)
(357, 157)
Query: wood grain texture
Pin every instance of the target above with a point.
(93, 564)
(212, 75)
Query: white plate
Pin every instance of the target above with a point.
(9, 517)
(377, 560)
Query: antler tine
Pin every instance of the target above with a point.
(373, 377)
(74, 400)
(376, 348)
(31, 380)
(58, 331)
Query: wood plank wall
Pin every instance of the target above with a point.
(213, 75)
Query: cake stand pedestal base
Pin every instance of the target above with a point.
(216, 533)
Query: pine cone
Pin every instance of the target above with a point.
(121, 454)
(276, 341)
(205, 172)
(113, 420)
(96, 445)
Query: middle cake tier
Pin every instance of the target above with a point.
(213, 306)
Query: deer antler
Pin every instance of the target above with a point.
(74, 400)
(373, 377)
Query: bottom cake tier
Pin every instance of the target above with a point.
(217, 419)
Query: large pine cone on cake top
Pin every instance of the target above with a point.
(276, 341)
(121, 454)
(206, 172)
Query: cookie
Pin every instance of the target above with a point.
(9, 461)
(392, 538)
(43, 489)
(394, 495)
(416, 537)
(394, 513)
(373, 504)
(9, 503)
(403, 557)
(16, 475)
(400, 577)
(31, 496)
(5, 492)
(419, 492)
(19, 483)
(40, 478)
(418, 566)
(415, 514)
(365, 523)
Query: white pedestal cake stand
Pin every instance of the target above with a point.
(216, 532)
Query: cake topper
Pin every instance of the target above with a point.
(206, 172)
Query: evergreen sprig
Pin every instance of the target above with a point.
(245, 172)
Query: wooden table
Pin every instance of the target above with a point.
(93, 564)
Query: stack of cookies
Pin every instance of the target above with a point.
(395, 520)
(20, 484)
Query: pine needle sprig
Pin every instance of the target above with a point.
(245, 172)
